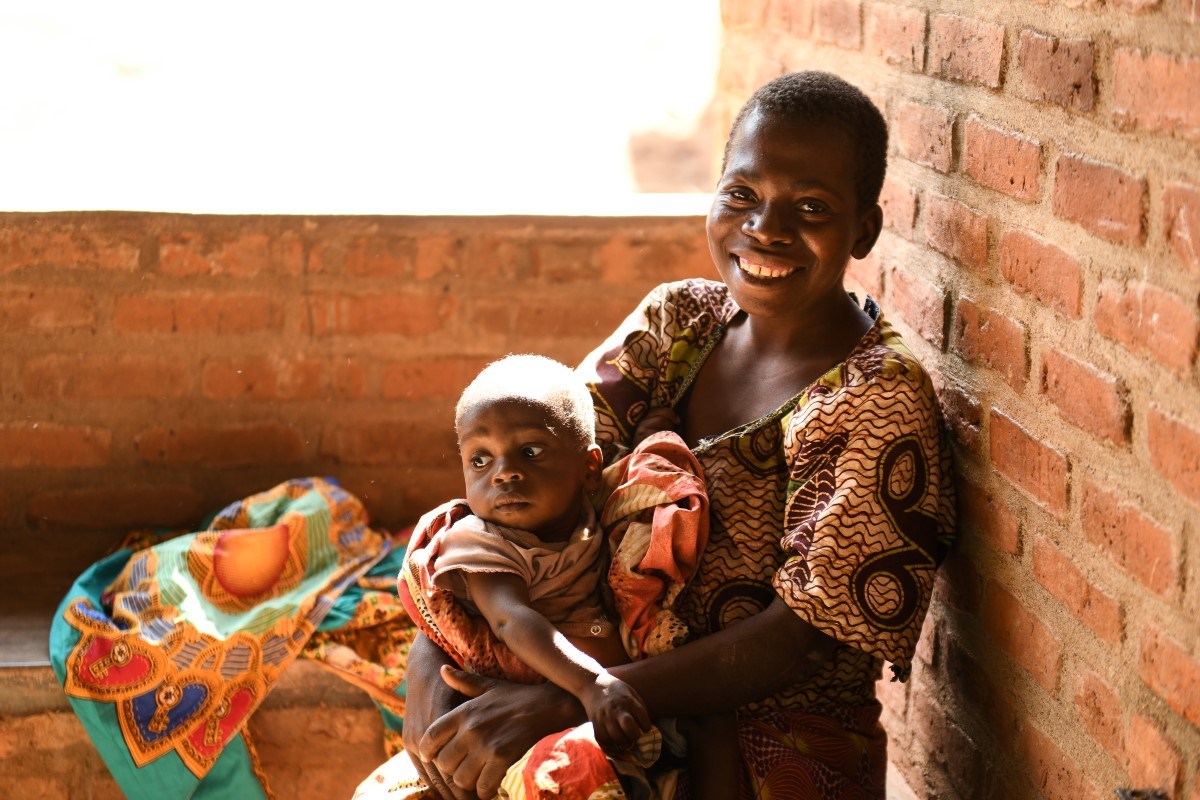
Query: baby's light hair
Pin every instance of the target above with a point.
(536, 381)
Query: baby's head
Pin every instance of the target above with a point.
(820, 100)
(526, 435)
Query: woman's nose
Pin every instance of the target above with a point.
(770, 224)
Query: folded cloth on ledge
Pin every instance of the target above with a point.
(166, 651)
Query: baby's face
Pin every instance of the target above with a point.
(521, 472)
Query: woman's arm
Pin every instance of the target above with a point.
(474, 744)
(748, 661)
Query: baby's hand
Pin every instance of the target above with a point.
(655, 421)
(617, 713)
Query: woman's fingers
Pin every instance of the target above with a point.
(465, 682)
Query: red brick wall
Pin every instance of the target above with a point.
(156, 367)
(1042, 251)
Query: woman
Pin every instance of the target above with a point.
(827, 470)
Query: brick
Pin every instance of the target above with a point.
(1098, 708)
(373, 256)
(897, 34)
(743, 13)
(920, 304)
(966, 678)
(40, 245)
(986, 336)
(923, 135)
(1156, 92)
(438, 255)
(791, 16)
(386, 442)
(899, 203)
(82, 378)
(1148, 319)
(964, 415)
(227, 446)
(989, 517)
(38, 308)
(1047, 273)
(646, 260)
(838, 22)
(405, 313)
(1171, 672)
(555, 318)
(1058, 71)
(1130, 539)
(1181, 223)
(46, 445)
(196, 312)
(966, 50)
(1175, 451)
(566, 262)
(117, 507)
(1001, 160)
(1022, 635)
(1138, 6)
(496, 257)
(946, 744)
(429, 378)
(1103, 198)
(1087, 602)
(349, 380)
(956, 231)
(1056, 775)
(262, 378)
(1086, 397)
(1030, 464)
(240, 256)
(958, 585)
(1154, 760)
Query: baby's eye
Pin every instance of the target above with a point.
(479, 461)
(813, 207)
(532, 450)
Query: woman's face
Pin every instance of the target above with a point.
(784, 222)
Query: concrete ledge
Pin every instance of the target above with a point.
(45, 752)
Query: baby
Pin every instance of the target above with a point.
(530, 557)
(531, 560)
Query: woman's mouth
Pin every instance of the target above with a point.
(762, 270)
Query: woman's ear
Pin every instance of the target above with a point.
(868, 232)
(593, 468)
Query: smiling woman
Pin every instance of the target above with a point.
(472, 107)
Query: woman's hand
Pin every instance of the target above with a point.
(428, 699)
(474, 744)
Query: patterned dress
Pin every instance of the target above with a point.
(840, 502)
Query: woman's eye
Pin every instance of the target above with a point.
(480, 461)
(741, 195)
(532, 450)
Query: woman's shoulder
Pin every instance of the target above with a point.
(691, 300)
(885, 359)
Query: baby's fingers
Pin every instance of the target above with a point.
(630, 729)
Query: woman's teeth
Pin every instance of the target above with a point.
(762, 271)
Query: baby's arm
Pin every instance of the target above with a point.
(617, 713)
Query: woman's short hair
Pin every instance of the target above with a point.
(814, 96)
(535, 381)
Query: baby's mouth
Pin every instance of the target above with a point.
(762, 270)
(511, 500)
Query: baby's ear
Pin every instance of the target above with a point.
(593, 468)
